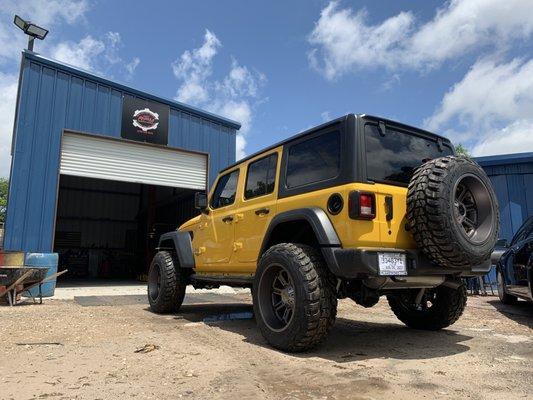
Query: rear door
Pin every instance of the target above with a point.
(256, 209)
(392, 155)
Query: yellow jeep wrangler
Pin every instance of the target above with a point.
(359, 207)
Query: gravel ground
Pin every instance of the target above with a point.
(113, 347)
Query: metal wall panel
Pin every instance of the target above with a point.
(512, 179)
(54, 97)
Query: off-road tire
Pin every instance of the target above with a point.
(430, 213)
(502, 295)
(448, 307)
(172, 284)
(314, 297)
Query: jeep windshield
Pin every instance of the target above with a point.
(393, 156)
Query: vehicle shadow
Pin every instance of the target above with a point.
(349, 340)
(521, 312)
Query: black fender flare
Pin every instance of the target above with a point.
(322, 227)
(182, 246)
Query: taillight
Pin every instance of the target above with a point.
(362, 205)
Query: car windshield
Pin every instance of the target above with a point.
(394, 156)
(525, 231)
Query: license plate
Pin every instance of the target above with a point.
(392, 264)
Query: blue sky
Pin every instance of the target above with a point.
(462, 68)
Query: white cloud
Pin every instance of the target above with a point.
(326, 116)
(515, 138)
(47, 13)
(8, 95)
(491, 108)
(345, 41)
(489, 93)
(82, 54)
(193, 68)
(234, 96)
(132, 66)
(96, 55)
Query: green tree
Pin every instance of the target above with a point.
(4, 187)
(462, 151)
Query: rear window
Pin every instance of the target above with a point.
(394, 156)
(314, 160)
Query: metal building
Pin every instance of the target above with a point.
(512, 178)
(100, 169)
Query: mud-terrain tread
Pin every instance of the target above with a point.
(430, 225)
(173, 284)
(449, 308)
(320, 298)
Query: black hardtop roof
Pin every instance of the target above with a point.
(333, 122)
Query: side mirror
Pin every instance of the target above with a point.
(502, 243)
(200, 201)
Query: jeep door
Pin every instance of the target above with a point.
(255, 209)
(213, 239)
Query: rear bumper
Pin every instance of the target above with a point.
(363, 263)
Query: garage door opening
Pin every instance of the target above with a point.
(108, 230)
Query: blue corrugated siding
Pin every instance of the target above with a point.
(512, 178)
(54, 98)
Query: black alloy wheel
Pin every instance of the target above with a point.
(473, 208)
(294, 297)
(277, 298)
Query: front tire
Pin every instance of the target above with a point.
(293, 297)
(502, 295)
(166, 284)
(438, 308)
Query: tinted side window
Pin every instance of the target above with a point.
(314, 160)
(225, 191)
(261, 177)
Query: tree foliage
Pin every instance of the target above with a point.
(4, 186)
(462, 151)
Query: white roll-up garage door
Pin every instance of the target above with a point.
(94, 157)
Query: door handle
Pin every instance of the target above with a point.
(262, 211)
(227, 219)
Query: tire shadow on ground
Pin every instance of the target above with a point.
(521, 312)
(349, 340)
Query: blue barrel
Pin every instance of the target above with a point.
(44, 260)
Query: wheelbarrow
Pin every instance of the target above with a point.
(12, 277)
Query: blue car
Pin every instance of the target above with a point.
(514, 265)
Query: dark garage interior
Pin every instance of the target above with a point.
(108, 230)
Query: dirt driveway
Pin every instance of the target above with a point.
(86, 349)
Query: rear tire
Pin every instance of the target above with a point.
(166, 284)
(439, 308)
(502, 295)
(308, 295)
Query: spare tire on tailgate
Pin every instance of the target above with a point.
(452, 212)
